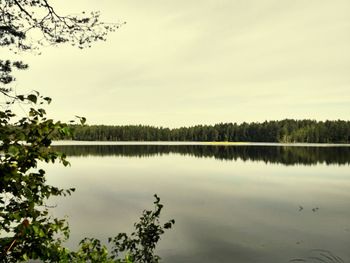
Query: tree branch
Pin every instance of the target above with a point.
(22, 9)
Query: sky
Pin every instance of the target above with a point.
(186, 62)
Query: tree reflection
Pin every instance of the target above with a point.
(285, 155)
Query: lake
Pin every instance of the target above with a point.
(231, 203)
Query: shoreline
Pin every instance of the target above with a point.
(179, 143)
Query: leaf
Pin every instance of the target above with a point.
(48, 99)
(65, 131)
(32, 98)
(25, 257)
(35, 229)
(127, 259)
(20, 97)
(82, 120)
(41, 233)
(13, 150)
(65, 162)
(167, 225)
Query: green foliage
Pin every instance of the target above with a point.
(27, 229)
(138, 247)
(30, 230)
(308, 131)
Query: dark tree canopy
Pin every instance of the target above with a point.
(284, 131)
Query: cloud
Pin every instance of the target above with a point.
(214, 61)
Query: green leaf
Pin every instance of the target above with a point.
(41, 233)
(65, 162)
(35, 229)
(127, 259)
(65, 131)
(13, 150)
(25, 257)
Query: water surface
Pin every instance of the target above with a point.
(231, 203)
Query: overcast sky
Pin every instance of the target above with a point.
(186, 62)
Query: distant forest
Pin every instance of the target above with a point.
(288, 130)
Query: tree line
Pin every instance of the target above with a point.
(286, 131)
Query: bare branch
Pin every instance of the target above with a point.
(22, 9)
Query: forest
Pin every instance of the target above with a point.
(284, 131)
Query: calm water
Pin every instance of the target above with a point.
(231, 203)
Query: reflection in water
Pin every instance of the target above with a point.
(268, 154)
(251, 209)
